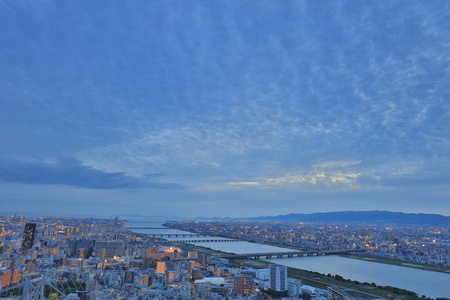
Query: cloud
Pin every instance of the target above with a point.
(336, 164)
(388, 176)
(313, 177)
(246, 183)
(71, 172)
(253, 129)
(242, 98)
(410, 180)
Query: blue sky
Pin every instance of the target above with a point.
(224, 108)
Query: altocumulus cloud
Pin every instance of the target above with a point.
(71, 172)
(324, 178)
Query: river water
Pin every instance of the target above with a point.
(429, 283)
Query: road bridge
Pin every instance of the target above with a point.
(173, 235)
(269, 255)
(206, 241)
(129, 228)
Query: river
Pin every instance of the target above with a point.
(429, 283)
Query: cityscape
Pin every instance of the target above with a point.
(69, 258)
(421, 244)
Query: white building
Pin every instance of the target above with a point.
(278, 278)
(294, 287)
(262, 274)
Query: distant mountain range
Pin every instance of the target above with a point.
(374, 216)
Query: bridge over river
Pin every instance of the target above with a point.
(176, 235)
(167, 235)
(296, 253)
(209, 240)
(165, 228)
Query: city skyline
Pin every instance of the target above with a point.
(224, 109)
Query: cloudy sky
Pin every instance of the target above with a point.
(224, 108)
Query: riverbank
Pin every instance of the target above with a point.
(322, 281)
(401, 263)
(315, 279)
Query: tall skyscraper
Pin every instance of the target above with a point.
(28, 237)
(278, 278)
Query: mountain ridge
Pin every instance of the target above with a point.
(372, 216)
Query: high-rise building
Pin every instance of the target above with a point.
(91, 285)
(111, 249)
(161, 267)
(193, 264)
(145, 280)
(202, 258)
(150, 251)
(243, 285)
(196, 273)
(130, 276)
(8, 277)
(28, 237)
(75, 245)
(294, 287)
(278, 278)
(172, 275)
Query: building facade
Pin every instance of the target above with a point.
(29, 234)
(243, 285)
(278, 278)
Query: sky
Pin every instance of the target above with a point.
(224, 108)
